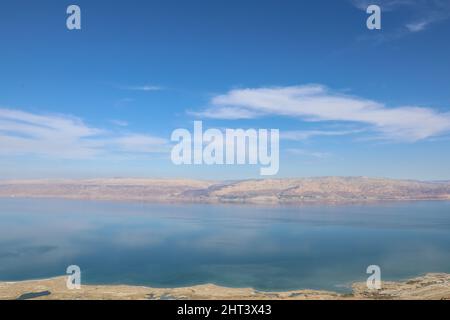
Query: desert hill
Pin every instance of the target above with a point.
(272, 191)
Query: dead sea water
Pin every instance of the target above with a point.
(267, 248)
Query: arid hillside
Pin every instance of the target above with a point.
(281, 191)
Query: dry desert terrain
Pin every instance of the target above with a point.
(270, 191)
(428, 287)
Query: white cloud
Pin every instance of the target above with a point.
(143, 88)
(317, 103)
(119, 123)
(307, 153)
(65, 137)
(226, 113)
(140, 143)
(417, 26)
(421, 14)
(123, 102)
(299, 135)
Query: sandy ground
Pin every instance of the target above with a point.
(429, 287)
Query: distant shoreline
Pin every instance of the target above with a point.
(237, 204)
(433, 286)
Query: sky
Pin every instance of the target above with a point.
(103, 101)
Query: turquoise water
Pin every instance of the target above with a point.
(268, 248)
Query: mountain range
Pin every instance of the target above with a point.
(269, 191)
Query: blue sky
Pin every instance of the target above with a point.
(103, 101)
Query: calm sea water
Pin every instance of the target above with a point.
(277, 248)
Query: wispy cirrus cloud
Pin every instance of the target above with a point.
(123, 102)
(421, 14)
(317, 103)
(66, 137)
(140, 143)
(120, 123)
(387, 5)
(301, 135)
(308, 153)
(142, 88)
(417, 26)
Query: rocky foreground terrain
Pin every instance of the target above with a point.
(428, 287)
(282, 191)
